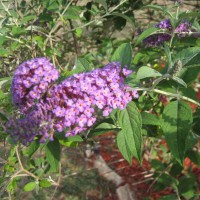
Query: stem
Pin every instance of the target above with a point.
(21, 166)
(74, 38)
(58, 182)
(17, 40)
(177, 194)
(173, 33)
(178, 96)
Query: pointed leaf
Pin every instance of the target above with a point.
(123, 54)
(101, 129)
(146, 72)
(30, 186)
(177, 122)
(189, 56)
(83, 63)
(33, 147)
(179, 80)
(130, 122)
(186, 14)
(53, 154)
(45, 183)
(123, 146)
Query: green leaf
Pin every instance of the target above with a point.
(39, 41)
(150, 119)
(177, 122)
(27, 19)
(4, 30)
(16, 30)
(79, 32)
(4, 52)
(189, 75)
(30, 186)
(15, 45)
(2, 95)
(33, 147)
(101, 129)
(146, 33)
(83, 63)
(157, 165)
(72, 13)
(123, 146)
(130, 122)
(146, 72)
(67, 143)
(128, 19)
(168, 55)
(189, 56)
(51, 5)
(179, 80)
(103, 3)
(2, 40)
(53, 151)
(44, 183)
(123, 54)
(186, 185)
(186, 14)
(194, 157)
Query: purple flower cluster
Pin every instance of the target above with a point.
(157, 39)
(36, 122)
(165, 24)
(183, 29)
(78, 100)
(31, 81)
(74, 105)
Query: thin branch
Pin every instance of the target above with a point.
(18, 157)
(178, 96)
(58, 182)
(17, 40)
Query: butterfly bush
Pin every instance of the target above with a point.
(74, 105)
(157, 39)
(31, 80)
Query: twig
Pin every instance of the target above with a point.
(21, 166)
(168, 94)
(58, 182)
(17, 40)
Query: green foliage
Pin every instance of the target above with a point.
(53, 151)
(123, 54)
(130, 144)
(30, 186)
(177, 122)
(146, 72)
